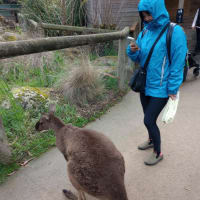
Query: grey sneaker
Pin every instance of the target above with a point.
(145, 145)
(153, 159)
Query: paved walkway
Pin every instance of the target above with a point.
(177, 177)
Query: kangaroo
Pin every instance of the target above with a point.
(95, 166)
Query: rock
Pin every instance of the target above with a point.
(31, 97)
(1, 29)
(8, 36)
(5, 104)
(2, 39)
(5, 152)
(8, 23)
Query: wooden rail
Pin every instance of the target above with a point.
(74, 28)
(11, 9)
(17, 48)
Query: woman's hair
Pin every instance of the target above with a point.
(142, 16)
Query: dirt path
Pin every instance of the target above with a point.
(177, 177)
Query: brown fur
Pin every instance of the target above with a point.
(95, 166)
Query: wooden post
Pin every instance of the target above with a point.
(122, 60)
(134, 32)
(181, 4)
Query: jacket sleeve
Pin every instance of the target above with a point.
(178, 55)
(134, 56)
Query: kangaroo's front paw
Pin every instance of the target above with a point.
(70, 195)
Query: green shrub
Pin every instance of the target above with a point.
(48, 11)
(20, 74)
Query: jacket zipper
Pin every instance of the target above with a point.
(163, 70)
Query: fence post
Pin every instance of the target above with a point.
(122, 62)
(132, 66)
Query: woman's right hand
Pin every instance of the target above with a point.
(134, 47)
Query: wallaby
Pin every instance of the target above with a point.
(95, 166)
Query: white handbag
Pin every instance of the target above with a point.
(170, 110)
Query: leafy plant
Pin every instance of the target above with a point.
(15, 113)
(111, 83)
(70, 12)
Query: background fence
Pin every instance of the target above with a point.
(17, 48)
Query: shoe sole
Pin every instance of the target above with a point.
(150, 146)
(161, 158)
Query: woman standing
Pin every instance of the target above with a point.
(196, 24)
(163, 79)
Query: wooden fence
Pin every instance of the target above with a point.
(10, 11)
(17, 48)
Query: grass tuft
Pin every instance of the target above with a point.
(84, 85)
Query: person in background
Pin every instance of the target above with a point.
(163, 79)
(196, 25)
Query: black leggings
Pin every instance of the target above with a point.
(152, 106)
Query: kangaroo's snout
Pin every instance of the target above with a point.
(37, 126)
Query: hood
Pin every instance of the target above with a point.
(157, 9)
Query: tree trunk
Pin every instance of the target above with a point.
(5, 152)
(64, 10)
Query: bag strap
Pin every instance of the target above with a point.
(152, 48)
(169, 38)
(144, 32)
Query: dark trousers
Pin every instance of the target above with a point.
(198, 39)
(152, 107)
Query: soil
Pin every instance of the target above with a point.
(89, 110)
(102, 105)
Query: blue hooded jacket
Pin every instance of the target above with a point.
(163, 78)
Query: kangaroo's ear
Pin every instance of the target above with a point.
(52, 108)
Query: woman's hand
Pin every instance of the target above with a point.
(134, 47)
(172, 96)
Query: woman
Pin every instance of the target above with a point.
(163, 79)
(196, 25)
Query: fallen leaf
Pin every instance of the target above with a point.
(110, 75)
(26, 162)
(29, 154)
(12, 173)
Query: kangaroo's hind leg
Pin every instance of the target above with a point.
(81, 195)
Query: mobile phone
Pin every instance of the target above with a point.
(131, 39)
